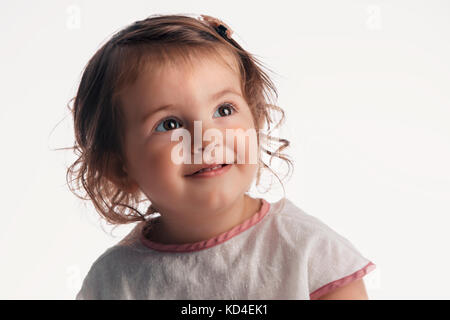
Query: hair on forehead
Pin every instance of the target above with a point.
(155, 58)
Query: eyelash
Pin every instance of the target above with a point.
(229, 104)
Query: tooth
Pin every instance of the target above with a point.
(209, 169)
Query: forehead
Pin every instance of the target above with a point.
(203, 73)
(181, 79)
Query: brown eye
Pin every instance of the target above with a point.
(224, 110)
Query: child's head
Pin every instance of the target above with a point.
(124, 137)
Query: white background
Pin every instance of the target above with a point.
(365, 86)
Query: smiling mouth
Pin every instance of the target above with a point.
(211, 172)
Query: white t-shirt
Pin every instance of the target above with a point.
(279, 253)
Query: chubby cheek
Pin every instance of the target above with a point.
(245, 146)
(157, 175)
(246, 173)
(244, 143)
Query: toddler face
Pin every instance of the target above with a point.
(188, 94)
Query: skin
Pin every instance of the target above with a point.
(353, 291)
(191, 209)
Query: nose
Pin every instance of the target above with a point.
(198, 149)
(198, 143)
(199, 127)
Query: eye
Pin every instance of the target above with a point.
(225, 110)
(168, 124)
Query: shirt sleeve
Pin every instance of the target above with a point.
(333, 262)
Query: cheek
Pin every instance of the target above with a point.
(243, 142)
(158, 161)
(154, 169)
(246, 173)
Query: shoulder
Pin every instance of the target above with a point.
(100, 269)
(112, 258)
(331, 260)
(306, 228)
(301, 227)
(285, 211)
(106, 272)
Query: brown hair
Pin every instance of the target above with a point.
(98, 117)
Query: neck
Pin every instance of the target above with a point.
(188, 228)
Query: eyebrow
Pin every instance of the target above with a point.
(213, 97)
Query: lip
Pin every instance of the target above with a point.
(212, 173)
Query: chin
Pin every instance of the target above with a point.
(215, 199)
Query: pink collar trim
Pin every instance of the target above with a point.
(205, 244)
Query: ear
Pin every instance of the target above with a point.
(129, 184)
(119, 175)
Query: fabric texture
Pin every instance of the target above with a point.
(279, 253)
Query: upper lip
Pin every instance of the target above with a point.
(204, 167)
